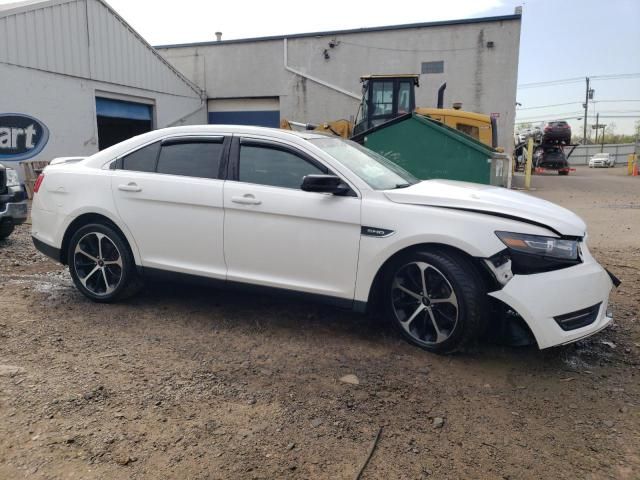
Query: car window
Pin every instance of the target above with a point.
(143, 159)
(193, 158)
(265, 165)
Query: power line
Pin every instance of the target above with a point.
(570, 117)
(551, 82)
(573, 103)
(547, 106)
(616, 76)
(581, 114)
(603, 101)
(619, 111)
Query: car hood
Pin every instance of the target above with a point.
(490, 200)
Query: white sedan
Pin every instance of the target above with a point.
(316, 215)
(602, 160)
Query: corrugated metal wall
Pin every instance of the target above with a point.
(83, 38)
(51, 38)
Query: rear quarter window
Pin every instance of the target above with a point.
(143, 159)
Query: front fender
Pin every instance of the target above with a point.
(469, 232)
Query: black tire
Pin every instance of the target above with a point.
(6, 229)
(470, 294)
(122, 279)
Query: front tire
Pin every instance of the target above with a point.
(101, 264)
(435, 299)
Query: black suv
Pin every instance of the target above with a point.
(13, 203)
(558, 132)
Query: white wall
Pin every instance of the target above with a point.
(482, 78)
(66, 105)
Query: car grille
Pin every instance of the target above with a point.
(579, 318)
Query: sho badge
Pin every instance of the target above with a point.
(376, 232)
(21, 137)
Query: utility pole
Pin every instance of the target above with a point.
(586, 109)
(597, 126)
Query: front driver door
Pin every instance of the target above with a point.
(277, 235)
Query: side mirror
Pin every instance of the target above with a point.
(325, 184)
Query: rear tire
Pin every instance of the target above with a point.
(436, 299)
(101, 264)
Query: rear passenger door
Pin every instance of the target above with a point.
(169, 194)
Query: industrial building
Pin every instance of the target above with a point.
(315, 77)
(77, 78)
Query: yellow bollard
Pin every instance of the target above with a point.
(527, 167)
(631, 158)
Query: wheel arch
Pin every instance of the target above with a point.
(86, 219)
(374, 296)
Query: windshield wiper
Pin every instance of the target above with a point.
(402, 185)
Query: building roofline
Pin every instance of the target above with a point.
(385, 28)
(30, 5)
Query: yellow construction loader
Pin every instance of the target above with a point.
(386, 97)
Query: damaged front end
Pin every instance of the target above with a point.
(547, 288)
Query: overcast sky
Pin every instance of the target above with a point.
(561, 39)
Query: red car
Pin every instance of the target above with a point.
(557, 132)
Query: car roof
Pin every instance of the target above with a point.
(237, 129)
(121, 148)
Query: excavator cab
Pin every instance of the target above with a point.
(385, 97)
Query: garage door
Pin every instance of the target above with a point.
(119, 120)
(263, 112)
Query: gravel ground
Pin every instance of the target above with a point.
(184, 382)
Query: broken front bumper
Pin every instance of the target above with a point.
(561, 306)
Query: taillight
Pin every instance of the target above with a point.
(36, 186)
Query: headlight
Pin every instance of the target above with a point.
(535, 253)
(12, 178)
(538, 245)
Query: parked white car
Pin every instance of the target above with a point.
(319, 215)
(602, 160)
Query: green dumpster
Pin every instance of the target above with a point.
(428, 149)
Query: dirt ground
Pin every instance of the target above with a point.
(184, 382)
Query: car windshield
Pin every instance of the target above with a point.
(378, 172)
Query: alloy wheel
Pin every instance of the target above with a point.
(424, 303)
(98, 263)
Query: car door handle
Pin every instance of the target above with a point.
(130, 187)
(246, 199)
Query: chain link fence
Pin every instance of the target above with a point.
(620, 152)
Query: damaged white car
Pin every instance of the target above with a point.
(320, 216)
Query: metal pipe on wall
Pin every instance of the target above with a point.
(314, 79)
